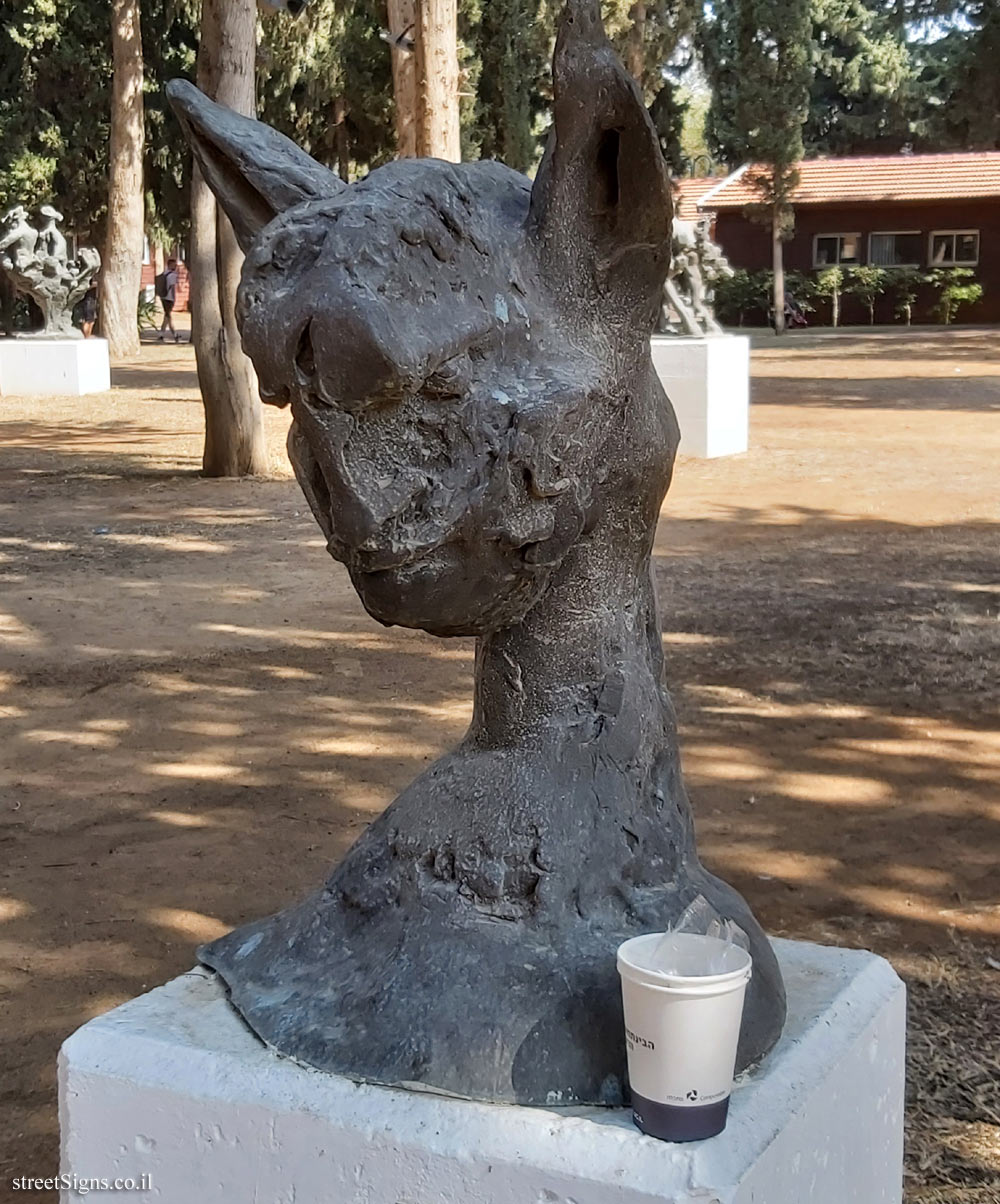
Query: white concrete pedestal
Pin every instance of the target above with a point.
(708, 382)
(174, 1086)
(54, 367)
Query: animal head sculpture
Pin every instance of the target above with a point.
(465, 353)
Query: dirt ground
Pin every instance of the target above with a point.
(197, 717)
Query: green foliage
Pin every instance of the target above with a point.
(867, 283)
(741, 295)
(883, 74)
(830, 283)
(758, 59)
(802, 289)
(905, 284)
(146, 313)
(55, 95)
(325, 80)
(863, 90)
(55, 73)
(958, 77)
(955, 287)
(510, 47)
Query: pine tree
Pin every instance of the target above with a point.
(513, 51)
(960, 70)
(864, 91)
(326, 81)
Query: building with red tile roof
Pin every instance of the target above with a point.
(688, 192)
(922, 211)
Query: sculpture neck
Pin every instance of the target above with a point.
(583, 667)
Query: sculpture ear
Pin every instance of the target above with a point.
(601, 207)
(255, 172)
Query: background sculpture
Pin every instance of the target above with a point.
(688, 294)
(37, 263)
(483, 440)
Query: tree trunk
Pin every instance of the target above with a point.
(438, 128)
(635, 54)
(122, 275)
(778, 253)
(403, 21)
(234, 422)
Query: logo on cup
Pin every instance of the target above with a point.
(692, 1095)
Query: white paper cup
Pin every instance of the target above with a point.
(681, 1032)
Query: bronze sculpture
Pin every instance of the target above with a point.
(37, 263)
(689, 291)
(483, 440)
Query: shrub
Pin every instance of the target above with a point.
(830, 283)
(956, 287)
(867, 283)
(904, 284)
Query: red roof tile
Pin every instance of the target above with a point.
(872, 178)
(687, 193)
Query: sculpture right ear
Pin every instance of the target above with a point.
(255, 172)
(601, 205)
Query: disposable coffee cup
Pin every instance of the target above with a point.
(682, 1027)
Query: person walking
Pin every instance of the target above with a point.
(167, 292)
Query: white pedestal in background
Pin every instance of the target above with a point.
(708, 382)
(174, 1086)
(54, 367)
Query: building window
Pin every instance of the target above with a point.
(954, 248)
(145, 251)
(832, 249)
(898, 249)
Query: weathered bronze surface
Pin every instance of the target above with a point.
(37, 263)
(484, 442)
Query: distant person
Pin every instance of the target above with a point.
(166, 290)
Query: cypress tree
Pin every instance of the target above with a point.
(863, 93)
(512, 41)
(761, 70)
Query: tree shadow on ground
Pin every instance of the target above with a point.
(149, 376)
(197, 719)
(923, 343)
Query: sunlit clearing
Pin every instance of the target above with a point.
(215, 771)
(104, 1003)
(919, 875)
(691, 638)
(912, 905)
(107, 725)
(91, 739)
(178, 819)
(208, 728)
(287, 673)
(168, 543)
(840, 788)
(342, 746)
(190, 924)
(11, 909)
(15, 633)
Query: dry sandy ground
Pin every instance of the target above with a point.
(197, 717)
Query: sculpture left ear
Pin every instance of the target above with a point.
(255, 172)
(601, 208)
